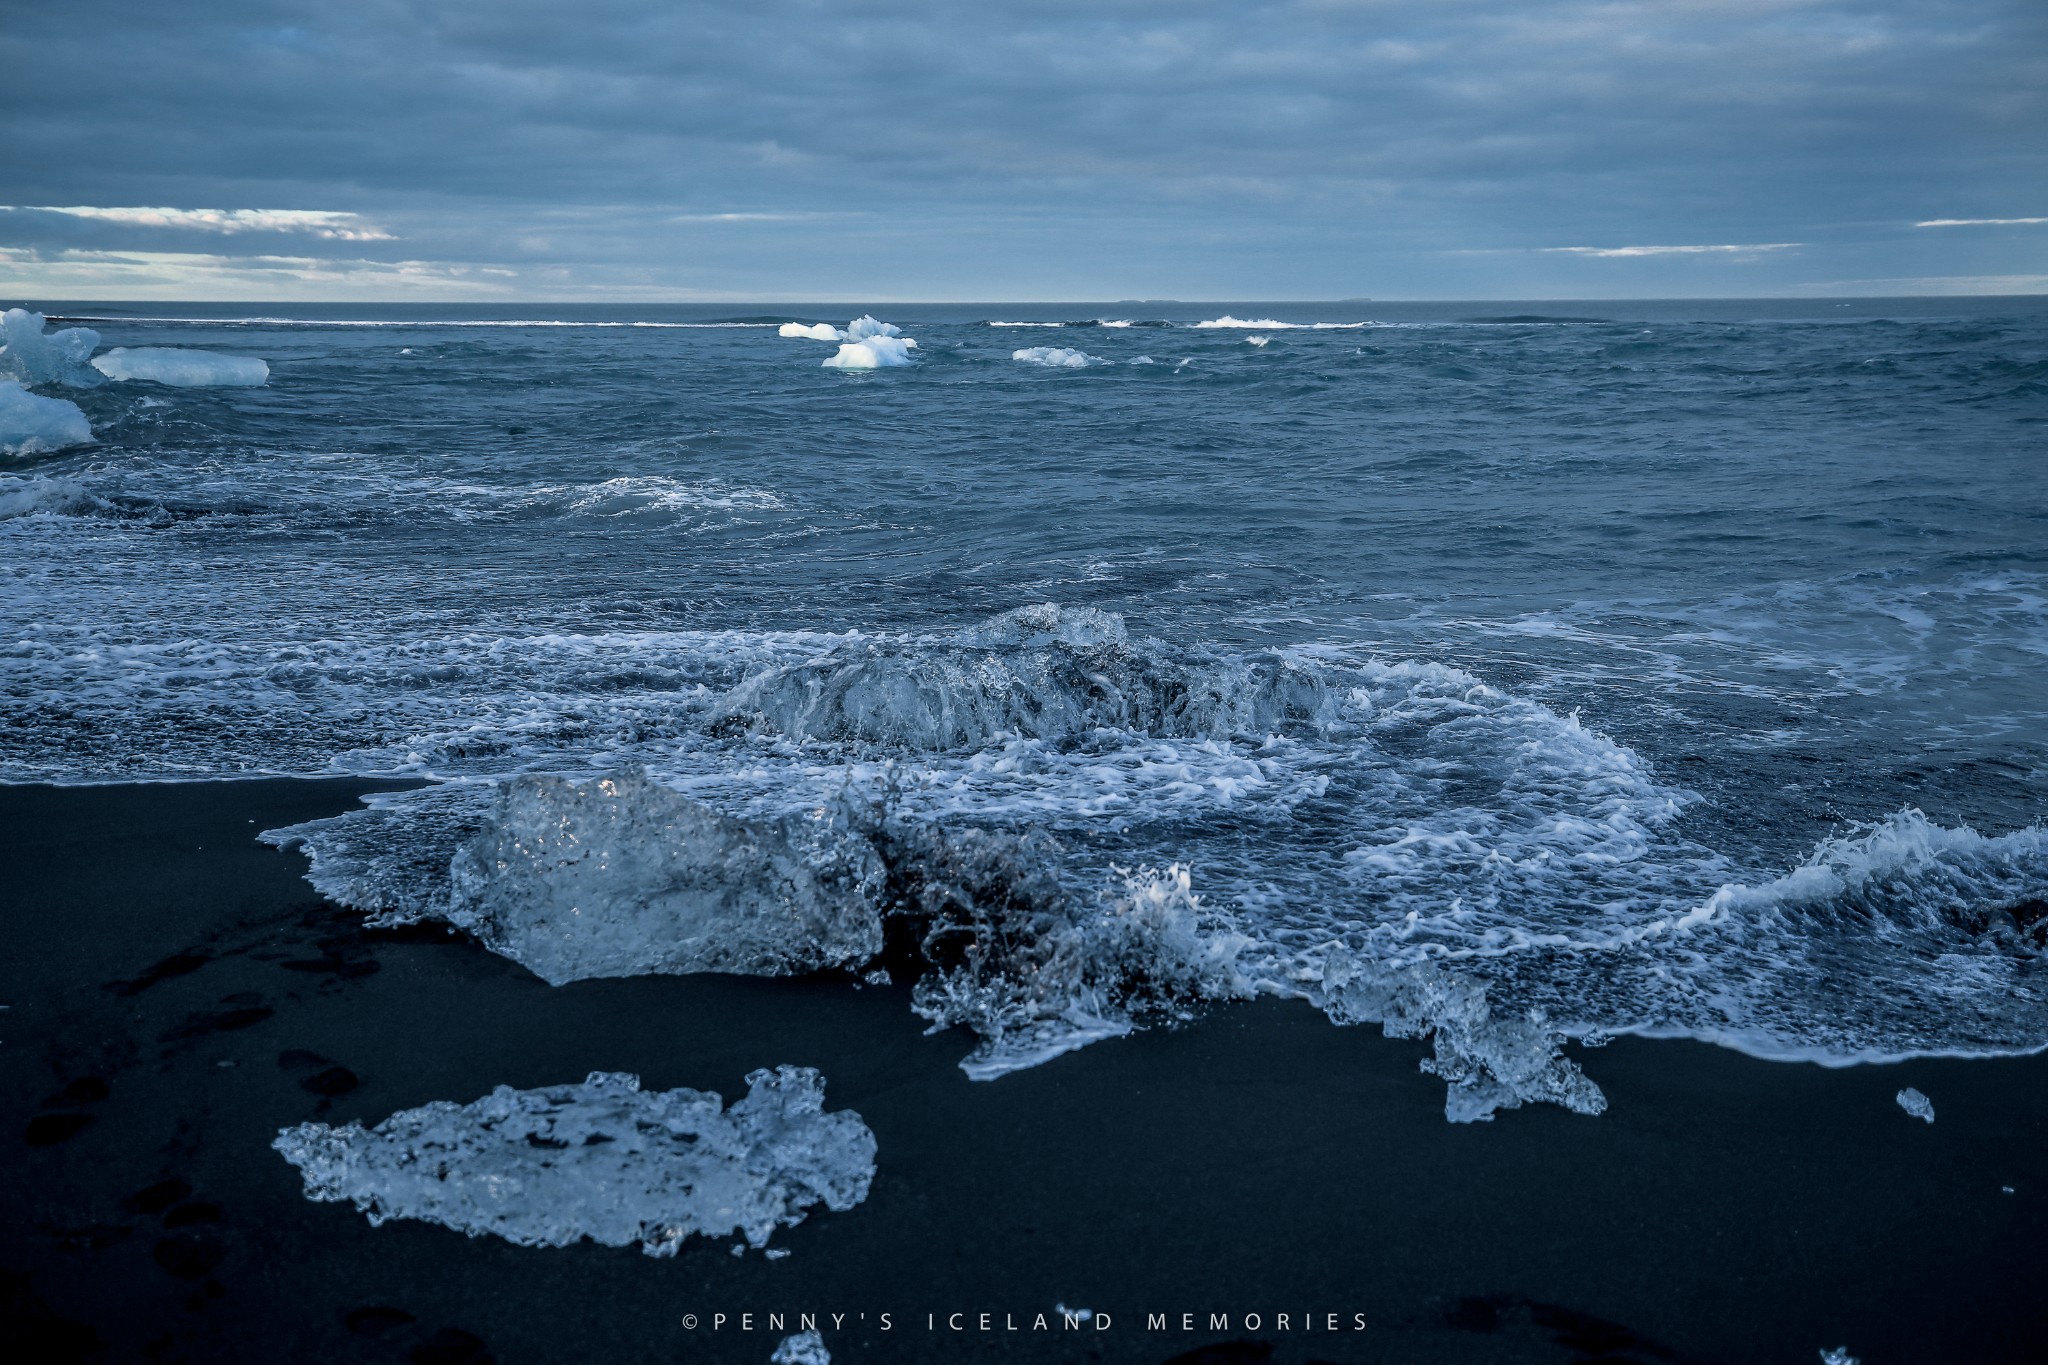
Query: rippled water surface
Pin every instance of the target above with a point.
(1514, 671)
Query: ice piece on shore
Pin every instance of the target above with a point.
(805, 1348)
(604, 1160)
(1916, 1104)
(620, 876)
(811, 331)
(34, 356)
(182, 368)
(1057, 357)
(1491, 1062)
(31, 424)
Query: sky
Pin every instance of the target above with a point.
(892, 150)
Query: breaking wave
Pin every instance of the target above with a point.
(1057, 832)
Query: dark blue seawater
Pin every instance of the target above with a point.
(1520, 672)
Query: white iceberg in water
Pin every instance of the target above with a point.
(867, 343)
(1916, 1104)
(811, 331)
(875, 353)
(1058, 357)
(604, 1160)
(181, 368)
(32, 425)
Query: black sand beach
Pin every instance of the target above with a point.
(176, 994)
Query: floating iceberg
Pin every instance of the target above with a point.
(671, 885)
(1059, 357)
(604, 1160)
(1916, 1104)
(870, 344)
(32, 425)
(181, 368)
(1257, 340)
(811, 331)
(34, 356)
(873, 354)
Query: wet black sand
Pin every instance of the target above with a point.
(177, 994)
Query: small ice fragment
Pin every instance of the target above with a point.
(776, 1253)
(1839, 1356)
(739, 1248)
(1077, 1314)
(1916, 1104)
(805, 1348)
(1257, 340)
(2005, 1189)
(182, 368)
(815, 331)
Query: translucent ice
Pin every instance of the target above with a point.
(1916, 1104)
(620, 876)
(1057, 357)
(1490, 1061)
(31, 424)
(182, 368)
(34, 356)
(805, 1348)
(604, 1160)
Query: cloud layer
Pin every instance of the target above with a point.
(804, 148)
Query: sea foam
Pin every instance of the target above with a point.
(1057, 357)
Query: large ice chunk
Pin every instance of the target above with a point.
(31, 424)
(34, 356)
(182, 368)
(604, 1160)
(621, 876)
(875, 353)
(869, 344)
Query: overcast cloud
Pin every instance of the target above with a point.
(794, 149)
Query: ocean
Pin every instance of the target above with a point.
(1519, 675)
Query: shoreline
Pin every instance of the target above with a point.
(177, 993)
